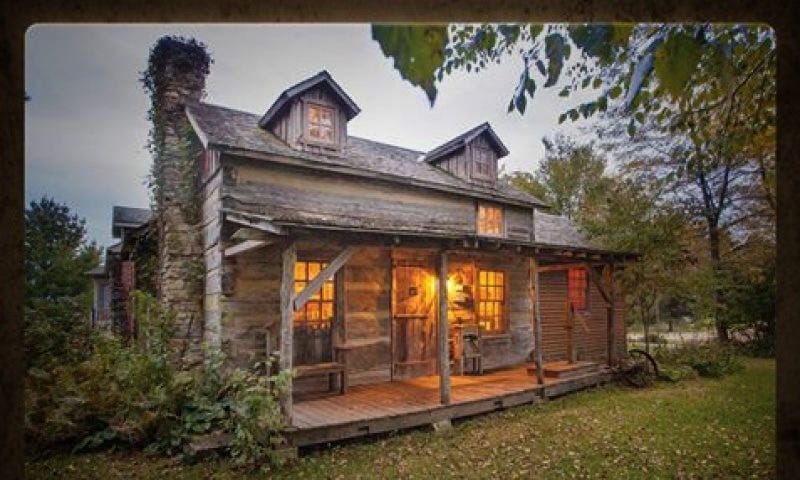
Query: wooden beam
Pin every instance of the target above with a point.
(608, 277)
(247, 233)
(537, 322)
(245, 246)
(254, 221)
(565, 266)
(444, 351)
(326, 274)
(600, 286)
(569, 326)
(288, 259)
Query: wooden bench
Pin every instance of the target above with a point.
(329, 368)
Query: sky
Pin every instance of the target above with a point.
(86, 125)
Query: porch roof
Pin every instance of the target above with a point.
(554, 234)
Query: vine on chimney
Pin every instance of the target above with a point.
(171, 55)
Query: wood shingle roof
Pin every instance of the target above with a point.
(239, 133)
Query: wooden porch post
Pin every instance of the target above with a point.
(608, 280)
(444, 351)
(537, 322)
(288, 257)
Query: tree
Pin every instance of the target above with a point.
(57, 289)
(635, 220)
(571, 178)
(701, 96)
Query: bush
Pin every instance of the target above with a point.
(706, 359)
(136, 396)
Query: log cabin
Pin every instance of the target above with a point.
(402, 287)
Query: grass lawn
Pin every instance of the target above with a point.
(701, 428)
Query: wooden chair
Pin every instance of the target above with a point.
(471, 349)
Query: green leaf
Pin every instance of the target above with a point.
(615, 91)
(631, 129)
(602, 103)
(561, 118)
(597, 82)
(530, 87)
(520, 102)
(417, 51)
(535, 29)
(676, 60)
(573, 114)
(564, 92)
(556, 51)
(585, 82)
(595, 41)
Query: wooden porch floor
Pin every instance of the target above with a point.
(375, 408)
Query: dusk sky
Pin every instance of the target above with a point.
(86, 125)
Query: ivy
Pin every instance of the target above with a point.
(171, 55)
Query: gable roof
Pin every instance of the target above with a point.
(238, 132)
(324, 78)
(462, 141)
(128, 217)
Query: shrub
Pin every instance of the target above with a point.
(136, 396)
(709, 359)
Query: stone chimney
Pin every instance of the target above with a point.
(175, 78)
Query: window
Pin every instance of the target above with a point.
(491, 300)
(320, 123)
(318, 310)
(490, 220)
(577, 287)
(482, 161)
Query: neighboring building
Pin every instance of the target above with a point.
(115, 279)
(101, 297)
(374, 264)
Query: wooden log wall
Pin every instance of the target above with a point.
(363, 322)
(294, 195)
(513, 346)
(251, 322)
(367, 318)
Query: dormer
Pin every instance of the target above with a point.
(472, 155)
(312, 115)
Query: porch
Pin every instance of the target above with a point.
(402, 404)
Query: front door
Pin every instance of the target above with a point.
(414, 321)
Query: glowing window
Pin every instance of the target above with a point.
(491, 300)
(490, 220)
(320, 123)
(577, 288)
(318, 310)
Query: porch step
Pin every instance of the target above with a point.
(564, 369)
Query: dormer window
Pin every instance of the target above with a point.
(483, 159)
(312, 116)
(320, 123)
(490, 220)
(472, 156)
